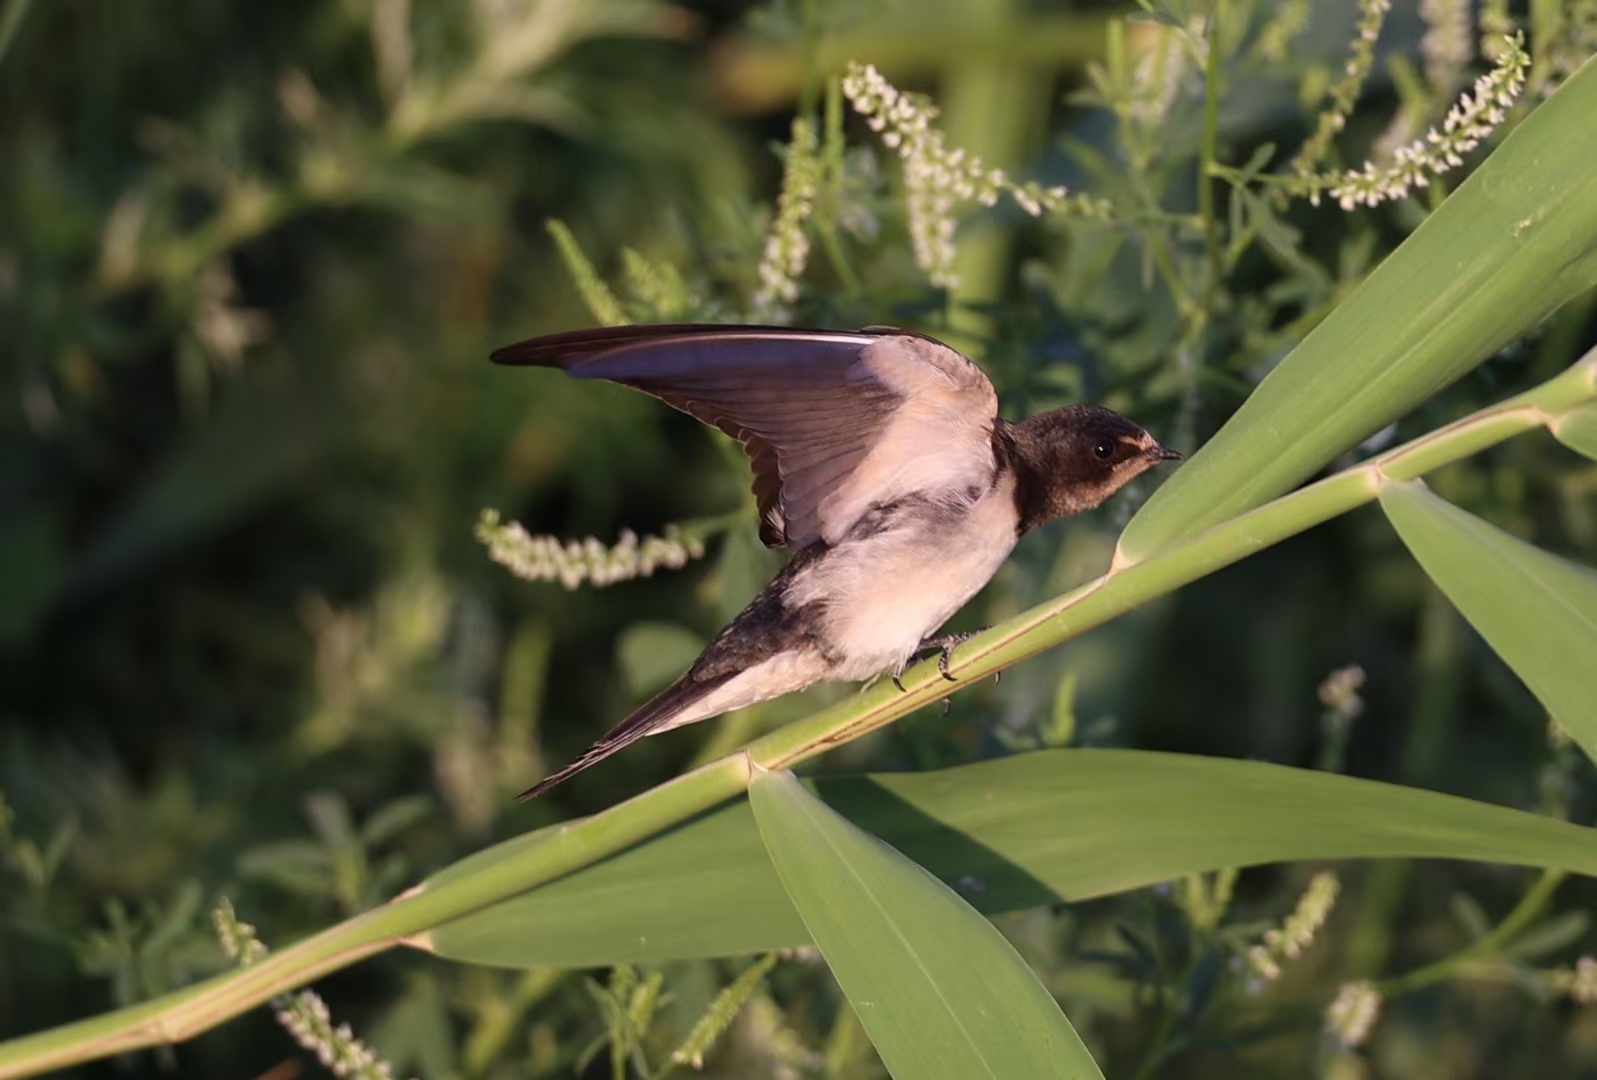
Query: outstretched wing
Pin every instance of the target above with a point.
(833, 421)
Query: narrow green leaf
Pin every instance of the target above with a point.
(1512, 244)
(1577, 429)
(1536, 610)
(936, 986)
(1550, 936)
(1009, 834)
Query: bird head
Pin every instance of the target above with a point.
(1080, 456)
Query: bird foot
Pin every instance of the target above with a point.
(946, 643)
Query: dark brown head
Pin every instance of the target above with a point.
(1070, 460)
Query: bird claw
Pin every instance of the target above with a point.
(945, 643)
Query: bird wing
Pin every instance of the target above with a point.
(833, 421)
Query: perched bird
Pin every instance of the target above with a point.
(880, 459)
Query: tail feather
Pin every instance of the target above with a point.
(654, 715)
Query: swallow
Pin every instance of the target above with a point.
(880, 460)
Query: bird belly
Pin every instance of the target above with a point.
(884, 593)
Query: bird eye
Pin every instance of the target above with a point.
(1104, 450)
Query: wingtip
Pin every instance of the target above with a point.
(544, 785)
(559, 776)
(533, 352)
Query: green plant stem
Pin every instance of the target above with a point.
(1169, 1016)
(11, 22)
(1490, 944)
(511, 869)
(1190, 311)
(1206, 163)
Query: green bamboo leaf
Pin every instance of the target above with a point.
(1577, 429)
(1536, 610)
(936, 986)
(1010, 834)
(1512, 244)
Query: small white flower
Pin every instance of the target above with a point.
(1354, 1012)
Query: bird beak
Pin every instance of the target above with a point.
(1164, 453)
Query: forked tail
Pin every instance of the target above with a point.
(654, 715)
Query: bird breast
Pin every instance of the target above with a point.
(902, 571)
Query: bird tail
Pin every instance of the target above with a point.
(656, 714)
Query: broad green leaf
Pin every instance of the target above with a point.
(1536, 610)
(1009, 834)
(1577, 429)
(1513, 243)
(938, 989)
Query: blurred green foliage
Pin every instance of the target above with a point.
(252, 258)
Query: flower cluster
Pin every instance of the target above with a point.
(1274, 44)
(1580, 982)
(224, 329)
(1156, 78)
(658, 286)
(1372, 15)
(726, 1007)
(237, 937)
(1469, 121)
(787, 248)
(1448, 44)
(1496, 25)
(304, 1014)
(1288, 941)
(306, 1018)
(938, 179)
(1353, 1013)
(1339, 693)
(572, 562)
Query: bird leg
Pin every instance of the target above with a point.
(946, 643)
